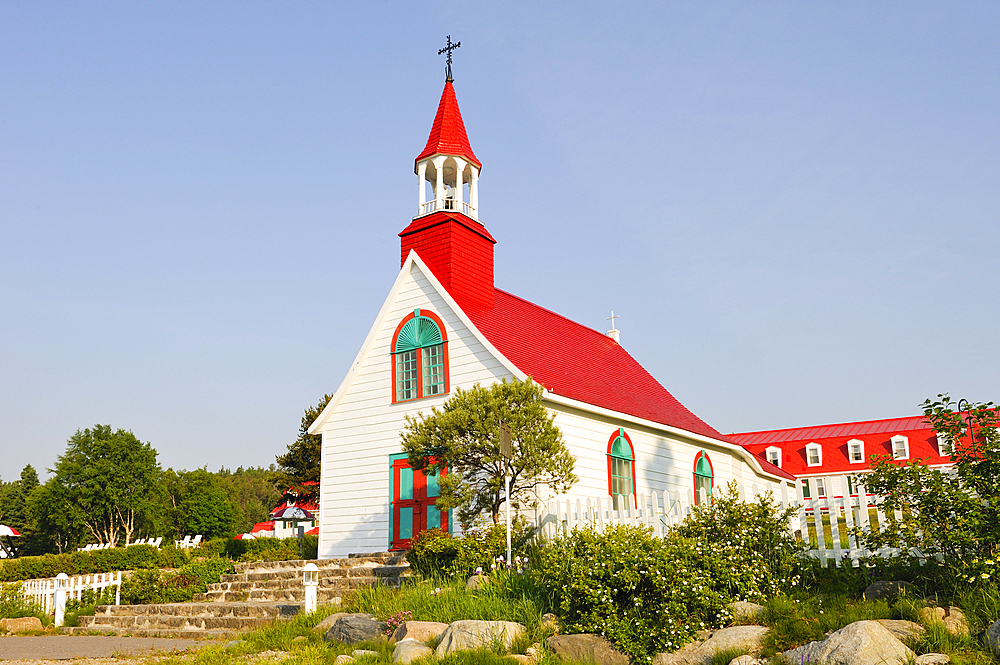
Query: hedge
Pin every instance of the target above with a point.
(271, 549)
(135, 557)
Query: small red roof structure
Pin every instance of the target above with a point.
(313, 531)
(833, 440)
(263, 526)
(448, 135)
(575, 361)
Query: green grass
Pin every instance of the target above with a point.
(795, 621)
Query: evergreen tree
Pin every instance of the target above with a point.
(301, 463)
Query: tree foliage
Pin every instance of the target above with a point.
(107, 480)
(301, 463)
(464, 438)
(950, 514)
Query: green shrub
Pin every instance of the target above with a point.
(87, 604)
(645, 594)
(438, 554)
(14, 605)
(745, 547)
(135, 557)
(156, 586)
(271, 549)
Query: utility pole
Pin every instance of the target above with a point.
(508, 454)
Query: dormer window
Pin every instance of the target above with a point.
(900, 447)
(944, 445)
(420, 357)
(774, 456)
(856, 451)
(814, 454)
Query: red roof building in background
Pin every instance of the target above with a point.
(821, 456)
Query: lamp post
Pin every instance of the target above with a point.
(310, 580)
(59, 600)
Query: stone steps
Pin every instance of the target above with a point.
(258, 594)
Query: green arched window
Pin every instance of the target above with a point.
(621, 464)
(421, 364)
(704, 476)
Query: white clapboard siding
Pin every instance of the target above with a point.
(41, 592)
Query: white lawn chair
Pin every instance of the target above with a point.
(184, 544)
(156, 543)
(196, 541)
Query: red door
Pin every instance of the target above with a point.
(414, 499)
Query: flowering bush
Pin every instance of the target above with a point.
(647, 594)
(436, 553)
(397, 620)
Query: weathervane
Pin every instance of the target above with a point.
(448, 49)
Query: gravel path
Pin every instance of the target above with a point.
(51, 648)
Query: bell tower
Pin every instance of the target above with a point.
(447, 233)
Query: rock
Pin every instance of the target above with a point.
(361, 653)
(21, 625)
(700, 653)
(327, 623)
(584, 647)
(469, 634)
(550, 623)
(993, 639)
(744, 612)
(299, 638)
(745, 659)
(421, 631)
(354, 628)
(902, 630)
(409, 650)
(476, 582)
(859, 643)
(886, 590)
(343, 659)
(932, 659)
(951, 618)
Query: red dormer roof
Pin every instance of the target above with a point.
(574, 361)
(876, 435)
(448, 135)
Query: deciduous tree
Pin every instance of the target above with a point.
(464, 437)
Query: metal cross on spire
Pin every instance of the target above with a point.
(448, 49)
(612, 319)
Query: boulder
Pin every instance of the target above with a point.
(327, 623)
(21, 625)
(993, 639)
(409, 650)
(476, 582)
(470, 634)
(886, 590)
(701, 653)
(859, 643)
(421, 631)
(745, 612)
(299, 638)
(902, 630)
(932, 659)
(354, 628)
(744, 660)
(951, 618)
(584, 647)
(343, 659)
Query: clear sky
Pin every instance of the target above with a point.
(792, 206)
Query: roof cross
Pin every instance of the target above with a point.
(612, 319)
(448, 49)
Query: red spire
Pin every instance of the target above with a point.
(448, 135)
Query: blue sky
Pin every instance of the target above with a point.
(792, 206)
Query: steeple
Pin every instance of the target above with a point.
(447, 169)
(446, 232)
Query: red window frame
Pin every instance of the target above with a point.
(420, 357)
(694, 473)
(611, 441)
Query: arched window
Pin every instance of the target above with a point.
(621, 464)
(420, 357)
(704, 475)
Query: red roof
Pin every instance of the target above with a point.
(263, 526)
(876, 434)
(448, 135)
(578, 362)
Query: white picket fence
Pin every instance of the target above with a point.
(42, 591)
(827, 523)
